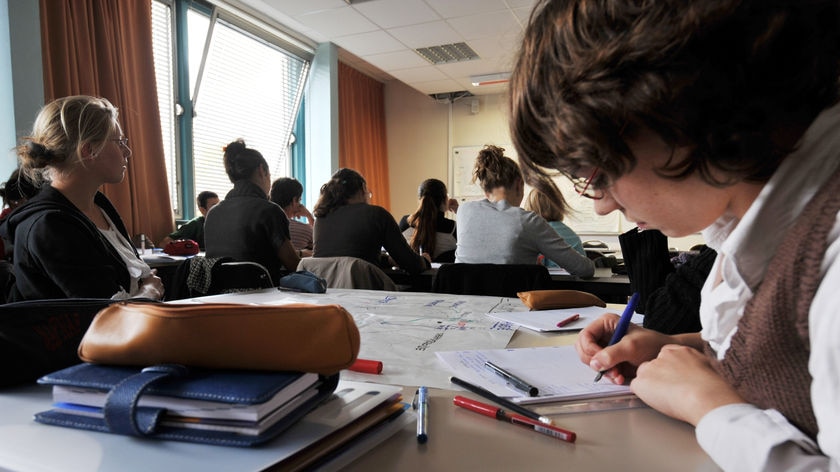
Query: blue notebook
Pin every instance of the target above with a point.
(226, 407)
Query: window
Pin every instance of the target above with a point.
(244, 82)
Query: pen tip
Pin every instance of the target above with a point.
(598, 377)
(546, 420)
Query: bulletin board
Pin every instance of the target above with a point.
(582, 219)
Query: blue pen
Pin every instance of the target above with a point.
(421, 404)
(623, 324)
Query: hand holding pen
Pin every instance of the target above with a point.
(593, 350)
(621, 328)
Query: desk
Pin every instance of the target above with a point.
(636, 439)
(609, 287)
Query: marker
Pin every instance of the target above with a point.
(513, 379)
(421, 404)
(502, 415)
(501, 401)
(623, 324)
(367, 366)
(568, 320)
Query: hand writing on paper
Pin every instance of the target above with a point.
(681, 383)
(621, 359)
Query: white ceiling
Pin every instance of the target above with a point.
(381, 35)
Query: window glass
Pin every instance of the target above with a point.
(163, 52)
(250, 87)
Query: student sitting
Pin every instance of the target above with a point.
(666, 114)
(69, 241)
(287, 192)
(428, 229)
(496, 231)
(246, 226)
(553, 209)
(194, 229)
(347, 225)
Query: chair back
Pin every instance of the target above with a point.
(500, 280)
(237, 276)
(348, 272)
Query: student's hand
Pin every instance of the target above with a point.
(621, 359)
(452, 205)
(304, 212)
(680, 382)
(151, 286)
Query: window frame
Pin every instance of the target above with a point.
(184, 109)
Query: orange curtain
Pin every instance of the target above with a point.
(104, 48)
(361, 123)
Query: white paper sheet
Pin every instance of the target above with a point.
(556, 371)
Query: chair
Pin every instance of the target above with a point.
(500, 280)
(348, 272)
(7, 280)
(237, 276)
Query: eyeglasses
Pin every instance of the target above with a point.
(122, 140)
(589, 188)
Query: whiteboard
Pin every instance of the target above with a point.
(582, 219)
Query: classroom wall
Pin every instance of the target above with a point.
(422, 132)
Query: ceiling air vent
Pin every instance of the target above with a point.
(446, 53)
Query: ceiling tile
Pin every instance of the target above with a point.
(484, 25)
(391, 14)
(437, 86)
(456, 8)
(373, 42)
(337, 22)
(297, 7)
(426, 34)
(404, 59)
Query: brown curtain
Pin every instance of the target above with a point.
(104, 48)
(361, 123)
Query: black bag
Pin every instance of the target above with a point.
(41, 336)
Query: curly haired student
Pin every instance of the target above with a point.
(720, 117)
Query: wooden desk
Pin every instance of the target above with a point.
(459, 440)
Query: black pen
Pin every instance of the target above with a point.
(501, 401)
(513, 379)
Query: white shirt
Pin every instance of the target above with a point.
(743, 437)
(137, 269)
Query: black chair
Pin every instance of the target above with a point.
(500, 280)
(237, 276)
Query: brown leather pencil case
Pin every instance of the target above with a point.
(553, 299)
(307, 338)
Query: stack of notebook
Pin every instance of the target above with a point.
(310, 420)
(237, 407)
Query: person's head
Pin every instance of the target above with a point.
(206, 200)
(433, 197)
(434, 191)
(551, 206)
(345, 186)
(17, 190)
(493, 170)
(286, 192)
(75, 132)
(244, 163)
(705, 95)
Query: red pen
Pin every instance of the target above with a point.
(568, 320)
(502, 415)
(367, 366)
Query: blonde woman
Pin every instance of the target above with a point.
(69, 240)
